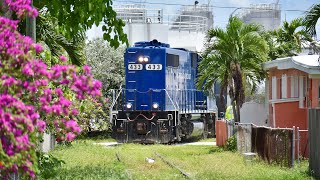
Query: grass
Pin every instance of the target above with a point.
(208, 140)
(87, 161)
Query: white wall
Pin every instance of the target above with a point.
(189, 40)
(147, 32)
(252, 112)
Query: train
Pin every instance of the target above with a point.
(159, 102)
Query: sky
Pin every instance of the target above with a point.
(221, 15)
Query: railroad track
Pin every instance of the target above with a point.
(126, 171)
(185, 174)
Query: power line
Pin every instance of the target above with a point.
(212, 6)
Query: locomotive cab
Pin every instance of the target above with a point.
(160, 101)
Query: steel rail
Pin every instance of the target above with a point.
(185, 174)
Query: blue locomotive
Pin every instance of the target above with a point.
(160, 103)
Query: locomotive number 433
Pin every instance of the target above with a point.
(148, 66)
(153, 66)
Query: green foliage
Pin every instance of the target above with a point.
(231, 57)
(56, 41)
(312, 18)
(231, 144)
(49, 165)
(93, 115)
(107, 64)
(97, 136)
(49, 35)
(288, 40)
(78, 16)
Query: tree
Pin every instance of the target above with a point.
(107, 64)
(312, 18)
(57, 43)
(62, 25)
(288, 40)
(74, 16)
(35, 98)
(231, 57)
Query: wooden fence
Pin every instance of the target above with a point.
(274, 145)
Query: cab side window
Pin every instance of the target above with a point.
(194, 60)
(172, 60)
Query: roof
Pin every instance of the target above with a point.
(306, 63)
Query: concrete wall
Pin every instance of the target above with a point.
(255, 113)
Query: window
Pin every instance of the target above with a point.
(302, 90)
(294, 87)
(194, 60)
(283, 86)
(172, 60)
(274, 87)
(280, 85)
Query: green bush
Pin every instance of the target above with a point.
(231, 144)
(48, 165)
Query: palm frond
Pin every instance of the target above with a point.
(57, 43)
(312, 18)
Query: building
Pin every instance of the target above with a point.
(268, 15)
(292, 86)
(186, 29)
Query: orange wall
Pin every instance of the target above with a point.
(288, 114)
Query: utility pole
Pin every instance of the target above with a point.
(31, 26)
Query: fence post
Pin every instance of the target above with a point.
(314, 144)
(298, 144)
(293, 145)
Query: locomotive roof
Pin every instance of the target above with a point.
(155, 43)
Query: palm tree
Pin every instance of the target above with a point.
(288, 40)
(312, 18)
(58, 43)
(233, 57)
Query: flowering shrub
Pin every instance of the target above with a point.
(33, 97)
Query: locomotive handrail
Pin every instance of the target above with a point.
(113, 103)
(115, 100)
(174, 105)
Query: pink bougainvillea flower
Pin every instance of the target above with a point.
(63, 58)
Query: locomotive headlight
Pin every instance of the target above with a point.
(155, 105)
(145, 59)
(140, 59)
(129, 105)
